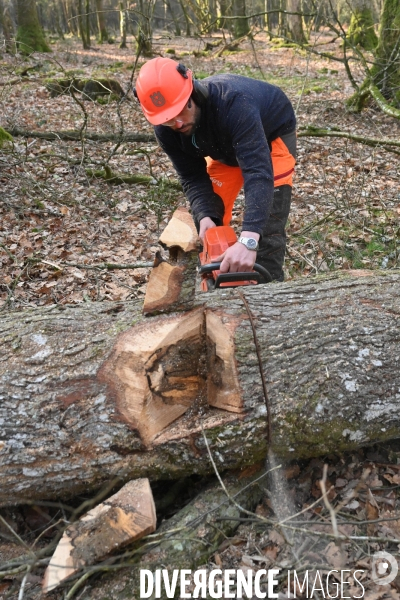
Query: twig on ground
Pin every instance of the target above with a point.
(328, 505)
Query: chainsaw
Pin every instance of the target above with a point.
(216, 241)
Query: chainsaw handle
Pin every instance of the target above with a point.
(216, 266)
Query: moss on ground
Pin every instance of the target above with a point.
(5, 137)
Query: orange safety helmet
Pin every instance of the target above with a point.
(163, 87)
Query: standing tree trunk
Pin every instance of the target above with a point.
(30, 36)
(145, 33)
(386, 71)
(87, 22)
(383, 79)
(177, 26)
(8, 26)
(86, 396)
(81, 25)
(70, 17)
(295, 22)
(225, 11)
(57, 9)
(282, 19)
(101, 22)
(361, 30)
(186, 17)
(122, 23)
(241, 26)
(213, 14)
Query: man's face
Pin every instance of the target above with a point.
(187, 120)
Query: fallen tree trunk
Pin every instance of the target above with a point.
(96, 391)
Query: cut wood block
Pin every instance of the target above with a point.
(180, 231)
(125, 517)
(164, 287)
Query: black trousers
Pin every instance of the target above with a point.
(272, 247)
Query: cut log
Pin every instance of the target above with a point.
(96, 391)
(127, 516)
(180, 232)
(189, 538)
(171, 284)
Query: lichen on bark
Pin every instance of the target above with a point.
(361, 30)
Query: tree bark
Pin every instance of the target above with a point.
(122, 23)
(383, 79)
(101, 22)
(81, 25)
(30, 37)
(361, 29)
(186, 17)
(386, 71)
(7, 26)
(241, 26)
(145, 33)
(87, 22)
(295, 22)
(97, 391)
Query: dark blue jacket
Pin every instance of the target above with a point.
(239, 119)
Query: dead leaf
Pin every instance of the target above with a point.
(395, 479)
(335, 556)
(271, 552)
(217, 560)
(372, 513)
(276, 538)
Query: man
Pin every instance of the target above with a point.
(220, 134)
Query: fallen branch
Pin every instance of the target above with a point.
(119, 179)
(311, 131)
(108, 266)
(383, 104)
(73, 135)
(306, 131)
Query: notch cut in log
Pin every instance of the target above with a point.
(171, 284)
(124, 518)
(183, 361)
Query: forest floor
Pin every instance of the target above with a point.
(59, 226)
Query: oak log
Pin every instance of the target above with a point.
(95, 391)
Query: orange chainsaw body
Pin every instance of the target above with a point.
(216, 241)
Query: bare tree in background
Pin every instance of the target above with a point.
(101, 22)
(295, 29)
(241, 26)
(382, 81)
(7, 25)
(81, 25)
(30, 36)
(361, 30)
(122, 23)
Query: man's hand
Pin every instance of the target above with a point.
(238, 259)
(205, 224)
